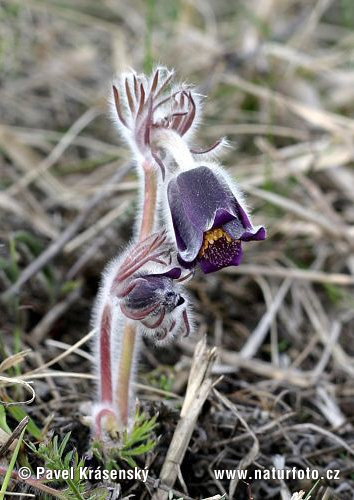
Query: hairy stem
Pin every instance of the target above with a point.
(125, 372)
(129, 332)
(149, 206)
(105, 356)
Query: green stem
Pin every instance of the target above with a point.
(74, 489)
(125, 372)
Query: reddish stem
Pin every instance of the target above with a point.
(105, 412)
(105, 355)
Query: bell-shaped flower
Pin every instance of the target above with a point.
(209, 219)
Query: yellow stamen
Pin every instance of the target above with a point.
(211, 236)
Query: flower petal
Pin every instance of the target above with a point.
(173, 273)
(255, 234)
(148, 291)
(189, 238)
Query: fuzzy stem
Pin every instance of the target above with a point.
(149, 206)
(105, 355)
(125, 372)
(110, 422)
(129, 333)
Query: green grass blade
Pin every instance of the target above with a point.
(11, 465)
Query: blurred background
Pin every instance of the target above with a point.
(278, 76)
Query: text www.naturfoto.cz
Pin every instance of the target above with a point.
(280, 474)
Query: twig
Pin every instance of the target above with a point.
(63, 355)
(256, 338)
(15, 434)
(198, 389)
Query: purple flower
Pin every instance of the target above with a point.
(209, 220)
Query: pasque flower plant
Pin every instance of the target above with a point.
(191, 214)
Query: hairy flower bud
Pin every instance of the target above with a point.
(146, 287)
(156, 301)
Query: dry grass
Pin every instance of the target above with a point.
(279, 78)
